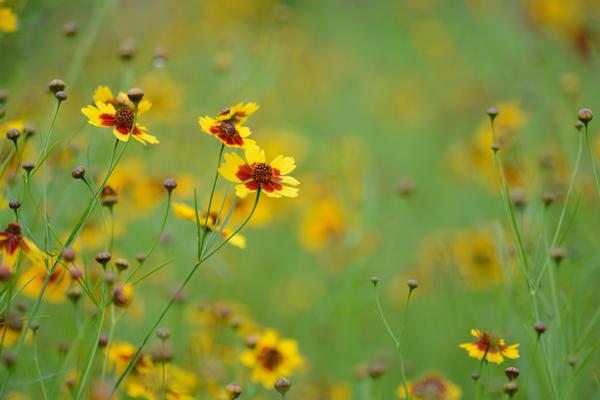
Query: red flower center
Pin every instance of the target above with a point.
(269, 358)
(262, 172)
(124, 117)
(429, 388)
(13, 229)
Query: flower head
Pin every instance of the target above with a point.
(12, 242)
(255, 173)
(121, 353)
(271, 358)
(176, 384)
(8, 20)
(227, 126)
(490, 347)
(184, 211)
(118, 113)
(430, 387)
(32, 281)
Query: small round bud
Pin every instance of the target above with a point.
(70, 28)
(110, 276)
(374, 280)
(60, 96)
(548, 198)
(558, 254)
(233, 391)
(540, 327)
(163, 353)
(518, 198)
(103, 340)
(29, 129)
(135, 94)
(74, 292)
(495, 147)
(140, 257)
(5, 273)
(572, 360)
(492, 112)
(68, 254)
(108, 196)
(3, 96)
(56, 86)
(13, 134)
(22, 308)
(412, 284)
(250, 341)
(170, 184)
(282, 385)
(121, 264)
(585, 115)
(579, 125)
(510, 388)
(9, 359)
(163, 333)
(406, 187)
(127, 50)
(161, 56)
(475, 376)
(34, 326)
(14, 204)
(75, 273)
(28, 166)
(103, 258)
(376, 370)
(78, 172)
(512, 373)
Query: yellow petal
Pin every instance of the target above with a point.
(231, 166)
(285, 165)
(254, 154)
(103, 94)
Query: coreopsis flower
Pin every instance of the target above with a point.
(186, 212)
(178, 384)
(121, 353)
(271, 358)
(118, 113)
(324, 223)
(430, 387)
(227, 126)
(255, 173)
(490, 346)
(12, 242)
(8, 20)
(33, 279)
(475, 254)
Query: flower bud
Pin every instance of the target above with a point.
(78, 172)
(103, 340)
(5, 273)
(13, 134)
(170, 184)
(75, 273)
(121, 264)
(579, 125)
(374, 280)
(135, 95)
(74, 293)
(539, 327)
(512, 373)
(29, 129)
(282, 385)
(14, 204)
(376, 370)
(60, 96)
(108, 196)
(9, 359)
(558, 254)
(548, 198)
(233, 391)
(68, 254)
(3, 96)
(127, 50)
(103, 258)
(70, 28)
(56, 86)
(412, 284)
(492, 112)
(510, 388)
(163, 333)
(585, 115)
(28, 166)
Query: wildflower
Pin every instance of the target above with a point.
(430, 387)
(324, 224)
(184, 211)
(255, 173)
(121, 353)
(122, 294)
(12, 242)
(179, 384)
(33, 279)
(477, 258)
(271, 358)
(11, 329)
(118, 113)
(490, 347)
(8, 20)
(227, 126)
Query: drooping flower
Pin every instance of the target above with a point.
(12, 242)
(271, 358)
(490, 346)
(118, 113)
(255, 173)
(33, 279)
(227, 126)
(430, 387)
(8, 20)
(186, 212)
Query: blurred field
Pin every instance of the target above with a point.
(383, 106)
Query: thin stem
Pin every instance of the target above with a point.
(589, 146)
(212, 193)
(37, 367)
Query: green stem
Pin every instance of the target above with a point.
(37, 367)
(212, 193)
(589, 146)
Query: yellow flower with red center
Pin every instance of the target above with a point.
(490, 347)
(8, 20)
(12, 242)
(121, 353)
(33, 279)
(255, 173)
(184, 211)
(430, 387)
(227, 126)
(118, 113)
(271, 358)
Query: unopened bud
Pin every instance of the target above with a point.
(170, 184)
(56, 86)
(412, 284)
(78, 172)
(103, 258)
(233, 391)
(135, 95)
(585, 115)
(512, 373)
(13, 134)
(282, 385)
(14, 204)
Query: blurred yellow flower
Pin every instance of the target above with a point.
(476, 256)
(490, 346)
(227, 126)
(431, 387)
(12, 242)
(122, 294)
(177, 384)
(121, 353)
(33, 279)
(271, 358)
(255, 172)
(8, 20)
(323, 223)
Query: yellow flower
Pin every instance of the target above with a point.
(255, 173)
(323, 223)
(12, 329)
(33, 279)
(431, 387)
(118, 113)
(178, 384)
(477, 258)
(12, 242)
(8, 20)
(227, 126)
(121, 353)
(186, 212)
(271, 358)
(490, 346)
